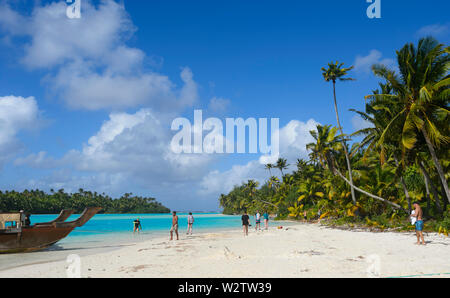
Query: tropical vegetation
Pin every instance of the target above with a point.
(372, 176)
(39, 202)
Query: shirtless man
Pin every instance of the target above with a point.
(174, 225)
(419, 223)
(137, 226)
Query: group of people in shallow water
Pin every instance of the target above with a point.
(137, 227)
(246, 221)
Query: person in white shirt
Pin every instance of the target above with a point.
(190, 223)
(258, 221)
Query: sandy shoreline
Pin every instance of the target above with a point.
(301, 250)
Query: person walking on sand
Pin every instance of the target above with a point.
(245, 223)
(418, 214)
(137, 226)
(257, 221)
(174, 225)
(190, 221)
(266, 220)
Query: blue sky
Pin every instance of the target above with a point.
(87, 103)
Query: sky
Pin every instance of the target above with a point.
(89, 102)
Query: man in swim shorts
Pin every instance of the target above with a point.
(174, 225)
(137, 226)
(418, 213)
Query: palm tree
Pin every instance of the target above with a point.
(333, 73)
(251, 188)
(281, 165)
(423, 91)
(325, 150)
(269, 167)
(379, 118)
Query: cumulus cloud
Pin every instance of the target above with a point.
(363, 64)
(90, 63)
(293, 140)
(16, 114)
(135, 145)
(218, 104)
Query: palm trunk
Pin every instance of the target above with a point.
(430, 183)
(369, 194)
(347, 158)
(427, 190)
(437, 164)
(265, 202)
(402, 182)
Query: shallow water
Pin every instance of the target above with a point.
(111, 231)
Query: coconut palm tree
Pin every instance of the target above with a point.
(422, 88)
(269, 167)
(333, 73)
(326, 148)
(251, 189)
(379, 118)
(281, 165)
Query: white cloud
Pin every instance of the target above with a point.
(363, 64)
(90, 63)
(293, 140)
(435, 30)
(218, 104)
(16, 114)
(135, 145)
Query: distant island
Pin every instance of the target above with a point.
(39, 202)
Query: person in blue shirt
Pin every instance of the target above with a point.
(266, 220)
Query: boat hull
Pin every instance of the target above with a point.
(32, 239)
(42, 235)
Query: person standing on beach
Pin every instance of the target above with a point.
(257, 221)
(418, 214)
(174, 225)
(137, 226)
(245, 222)
(190, 223)
(266, 220)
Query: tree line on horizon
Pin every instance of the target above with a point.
(39, 202)
(403, 156)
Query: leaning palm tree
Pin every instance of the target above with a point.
(333, 73)
(251, 189)
(422, 89)
(325, 149)
(379, 119)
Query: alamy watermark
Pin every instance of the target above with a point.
(374, 9)
(74, 268)
(374, 268)
(73, 10)
(190, 137)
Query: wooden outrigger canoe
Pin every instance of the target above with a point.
(20, 238)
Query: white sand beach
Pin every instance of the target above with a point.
(300, 250)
